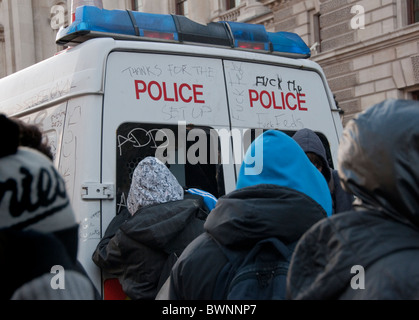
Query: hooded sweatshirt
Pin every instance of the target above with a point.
(275, 159)
(369, 253)
(158, 223)
(279, 194)
(309, 141)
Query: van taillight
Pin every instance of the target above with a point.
(159, 35)
(113, 290)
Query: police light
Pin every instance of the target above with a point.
(92, 22)
(249, 36)
(288, 43)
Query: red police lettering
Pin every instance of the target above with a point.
(170, 93)
(270, 100)
(301, 101)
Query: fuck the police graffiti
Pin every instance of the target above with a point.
(277, 94)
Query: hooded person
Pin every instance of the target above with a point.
(279, 194)
(38, 229)
(370, 253)
(310, 142)
(142, 242)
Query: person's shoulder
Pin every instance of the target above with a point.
(74, 286)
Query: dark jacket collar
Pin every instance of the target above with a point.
(247, 215)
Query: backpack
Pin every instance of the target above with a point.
(257, 275)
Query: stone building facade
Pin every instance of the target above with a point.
(368, 49)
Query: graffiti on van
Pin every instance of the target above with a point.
(56, 91)
(140, 137)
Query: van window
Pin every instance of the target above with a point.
(254, 133)
(193, 156)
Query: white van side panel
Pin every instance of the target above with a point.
(74, 72)
(73, 130)
(80, 164)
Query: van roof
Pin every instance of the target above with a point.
(81, 69)
(92, 22)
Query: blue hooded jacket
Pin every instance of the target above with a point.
(275, 158)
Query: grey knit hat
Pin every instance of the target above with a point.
(33, 194)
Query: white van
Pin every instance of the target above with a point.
(128, 79)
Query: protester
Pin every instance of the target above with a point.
(370, 253)
(141, 243)
(281, 195)
(38, 230)
(310, 142)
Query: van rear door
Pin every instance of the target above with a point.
(151, 97)
(269, 96)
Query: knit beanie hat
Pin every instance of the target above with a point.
(152, 183)
(32, 192)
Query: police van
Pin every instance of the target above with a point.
(129, 84)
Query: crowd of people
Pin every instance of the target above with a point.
(345, 233)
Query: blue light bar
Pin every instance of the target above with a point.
(94, 19)
(92, 22)
(249, 36)
(288, 43)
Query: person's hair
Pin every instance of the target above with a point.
(10, 131)
(31, 136)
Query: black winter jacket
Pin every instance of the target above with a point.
(371, 252)
(239, 220)
(31, 255)
(135, 248)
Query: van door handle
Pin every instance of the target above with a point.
(97, 191)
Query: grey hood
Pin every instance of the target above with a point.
(152, 183)
(378, 159)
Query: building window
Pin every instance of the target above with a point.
(2, 53)
(230, 4)
(413, 11)
(137, 5)
(316, 38)
(415, 95)
(182, 7)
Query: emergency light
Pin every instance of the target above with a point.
(92, 22)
